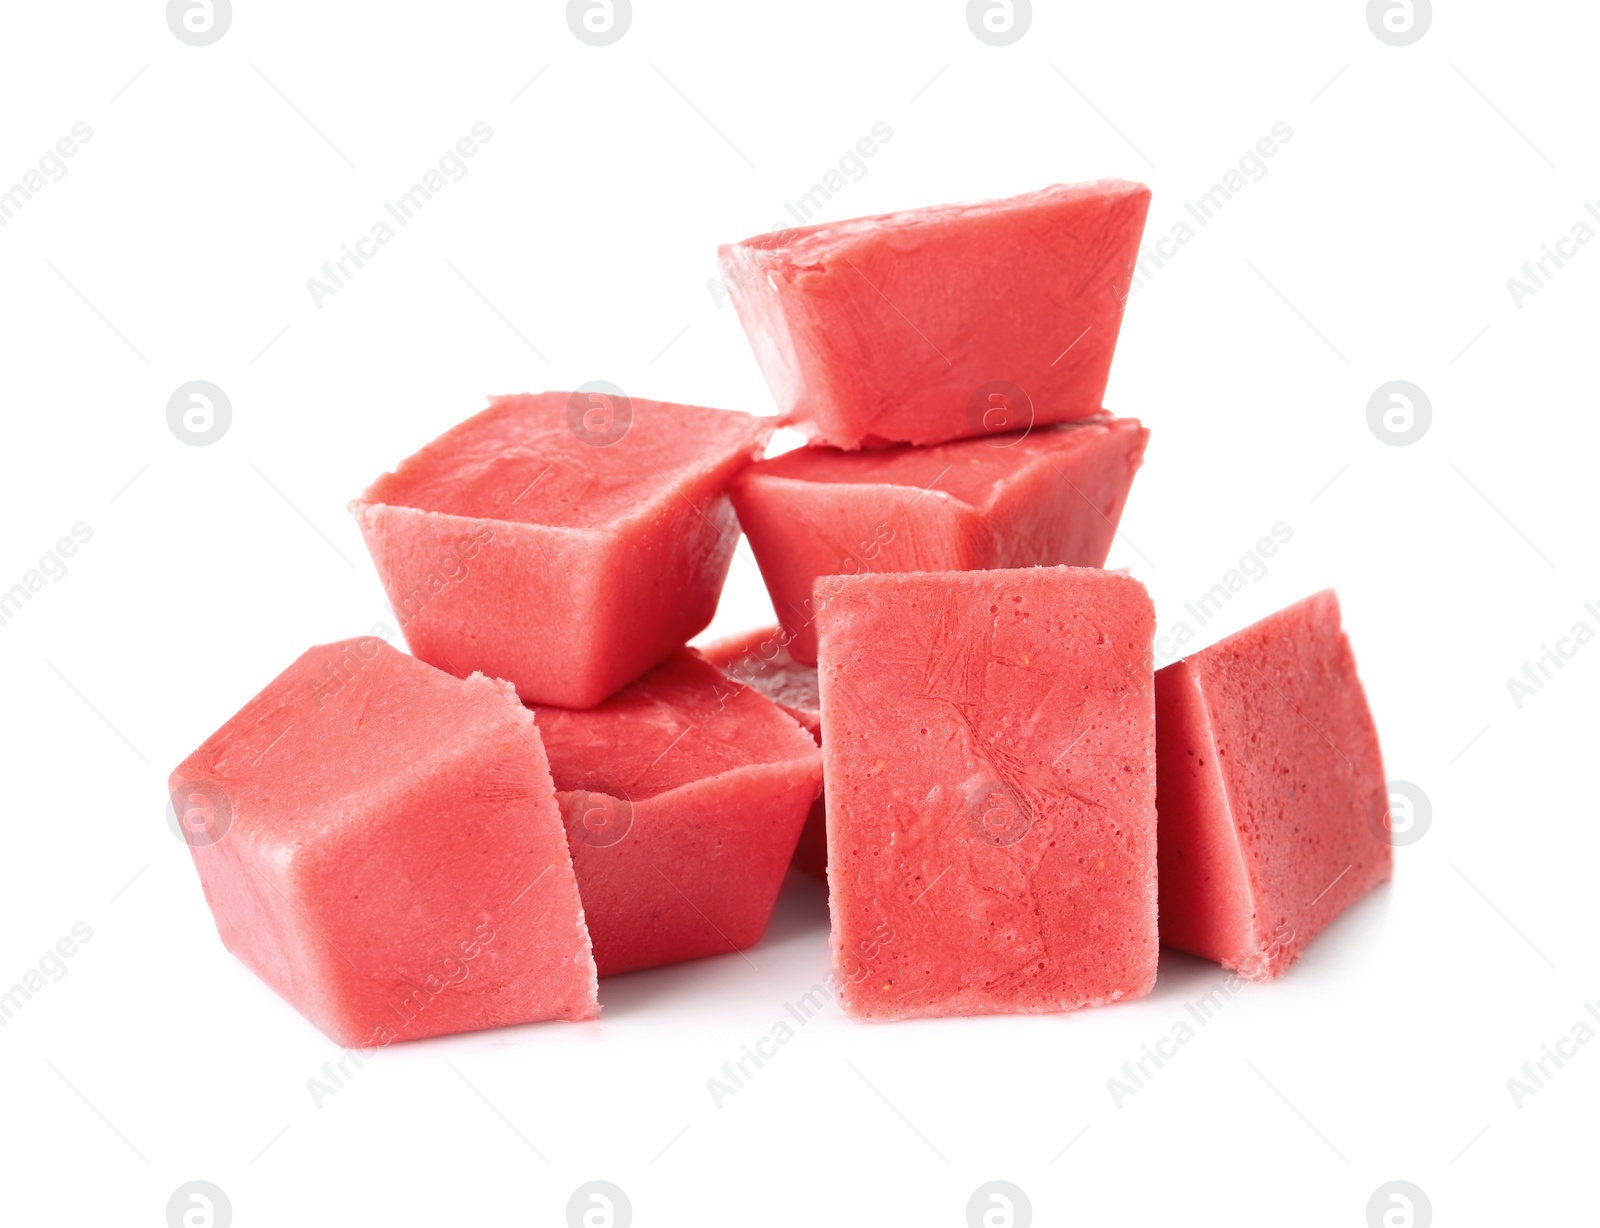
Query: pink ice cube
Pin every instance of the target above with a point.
(942, 323)
(380, 843)
(989, 750)
(566, 542)
(1271, 791)
(1051, 495)
(683, 798)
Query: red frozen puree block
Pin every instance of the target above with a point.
(380, 843)
(566, 542)
(761, 659)
(1271, 791)
(936, 324)
(988, 745)
(683, 799)
(1050, 495)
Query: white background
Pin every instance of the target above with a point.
(579, 247)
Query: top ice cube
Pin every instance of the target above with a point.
(936, 324)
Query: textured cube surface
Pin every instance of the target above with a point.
(683, 799)
(1045, 496)
(761, 659)
(380, 843)
(1272, 799)
(940, 323)
(989, 751)
(566, 542)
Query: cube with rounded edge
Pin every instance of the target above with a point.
(941, 323)
(988, 742)
(1047, 496)
(566, 542)
(683, 799)
(1271, 794)
(380, 843)
(761, 659)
